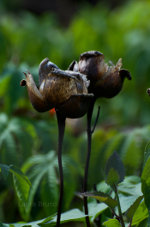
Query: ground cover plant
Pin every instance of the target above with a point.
(118, 176)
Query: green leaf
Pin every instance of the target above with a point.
(95, 209)
(146, 153)
(22, 186)
(15, 139)
(37, 168)
(102, 197)
(32, 224)
(115, 171)
(145, 178)
(130, 186)
(126, 201)
(112, 223)
(140, 214)
(70, 216)
(133, 207)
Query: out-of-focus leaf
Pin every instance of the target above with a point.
(102, 197)
(130, 186)
(127, 201)
(114, 170)
(16, 142)
(95, 209)
(112, 223)
(140, 214)
(21, 183)
(133, 207)
(145, 178)
(70, 216)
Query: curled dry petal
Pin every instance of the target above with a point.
(59, 89)
(105, 81)
(35, 96)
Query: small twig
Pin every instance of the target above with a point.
(119, 206)
(61, 129)
(96, 120)
(114, 214)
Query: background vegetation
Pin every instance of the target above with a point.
(28, 140)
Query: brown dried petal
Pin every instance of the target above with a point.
(35, 96)
(57, 90)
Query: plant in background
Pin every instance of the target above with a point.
(105, 81)
(67, 92)
(121, 213)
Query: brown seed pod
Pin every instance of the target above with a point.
(63, 90)
(105, 81)
(148, 91)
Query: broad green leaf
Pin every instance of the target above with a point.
(14, 139)
(103, 187)
(22, 187)
(130, 186)
(22, 184)
(32, 224)
(95, 209)
(114, 170)
(4, 225)
(42, 172)
(112, 223)
(126, 201)
(145, 178)
(146, 153)
(70, 216)
(102, 197)
(140, 214)
(133, 207)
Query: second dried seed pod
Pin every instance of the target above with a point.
(105, 80)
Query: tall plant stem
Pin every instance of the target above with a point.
(89, 136)
(119, 206)
(61, 129)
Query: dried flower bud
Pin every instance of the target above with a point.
(105, 81)
(66, 91)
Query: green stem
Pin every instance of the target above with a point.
(61, 129)
(119, 207)
(85, 180)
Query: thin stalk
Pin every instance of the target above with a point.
(119, 206)
(61, 129)
(85, 180)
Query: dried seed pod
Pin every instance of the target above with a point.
(148, 91)
(58, 89)
(105, 81)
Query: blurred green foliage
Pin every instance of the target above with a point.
(28, 139)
